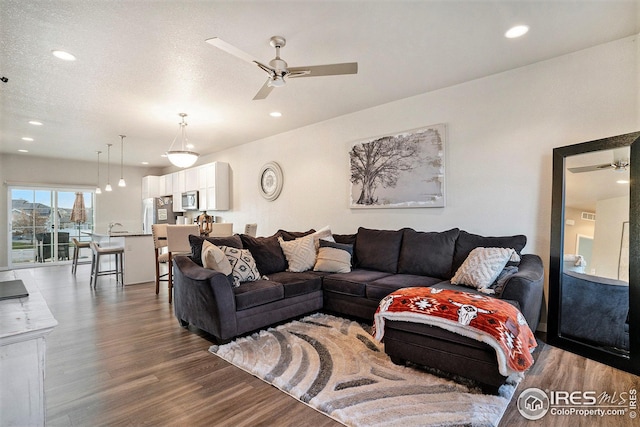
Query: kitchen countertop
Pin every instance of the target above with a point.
(117, 234)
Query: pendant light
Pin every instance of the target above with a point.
(121, 183)
(98, 190)
(182, 158)
(108, 187)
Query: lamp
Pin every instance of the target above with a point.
(108, 187)
(182, 158)
(121, 183)
(98, 190)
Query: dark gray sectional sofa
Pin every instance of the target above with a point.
(383, 261)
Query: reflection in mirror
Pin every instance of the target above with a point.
(595, 235)
(595, 278)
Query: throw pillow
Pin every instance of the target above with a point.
(243, 265)
(214, 258)
(333, 257)
(300, 253)
(482, 267)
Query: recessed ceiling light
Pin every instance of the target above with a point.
(145, 163)
(65, 56)
(163, 155)
(517, 31)
(189, 146)
(275, 114)
(622, 181)
(23, 151)
(26, 138)
(35, 123)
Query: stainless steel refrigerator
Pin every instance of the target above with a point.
(157, 210)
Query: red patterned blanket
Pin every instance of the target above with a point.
(483, 318)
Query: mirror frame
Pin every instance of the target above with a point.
(555, 338)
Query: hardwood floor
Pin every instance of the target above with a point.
(118, 357)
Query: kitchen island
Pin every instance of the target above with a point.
(139, 254)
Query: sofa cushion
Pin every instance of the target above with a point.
(427, 253)
(251, 294)
(243, 265)
(378, 249)
(196, 244)
(380, 288)
(467, 242)
(353, 283)
(297, 283)
(267, 253)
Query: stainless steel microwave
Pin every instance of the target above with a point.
(190, 200)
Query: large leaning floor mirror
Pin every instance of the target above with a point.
(594, 300)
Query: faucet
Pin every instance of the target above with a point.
(113, 224)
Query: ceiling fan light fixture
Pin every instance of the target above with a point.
(277, 81)
(182, 158)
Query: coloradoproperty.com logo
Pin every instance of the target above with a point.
(534, 403)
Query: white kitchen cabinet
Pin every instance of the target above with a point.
(177, 202)
(150, 186)
(178, 180)
(191, 179)
(214, 189)
(165, 185)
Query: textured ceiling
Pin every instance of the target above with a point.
(140, 63)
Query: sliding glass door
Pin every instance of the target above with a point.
(43, 222)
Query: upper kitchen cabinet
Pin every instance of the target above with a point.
(151, 186)
(191, 179)
(213, 186)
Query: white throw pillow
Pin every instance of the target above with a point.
(325, 234)
(243, 264)
(300, 253)
(333, 260)
(214, 258)
(482, 267)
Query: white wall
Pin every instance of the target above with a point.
(610, 215)
(121, 205)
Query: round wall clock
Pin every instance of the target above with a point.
(270, 181)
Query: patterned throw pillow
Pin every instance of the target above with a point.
(300, 253)
(214, 258)
(243, 265)
(482, 267)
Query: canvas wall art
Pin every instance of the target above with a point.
(402, 170)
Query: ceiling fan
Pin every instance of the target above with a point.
(620, 163)
(279, 70)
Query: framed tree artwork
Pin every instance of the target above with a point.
(402, 170)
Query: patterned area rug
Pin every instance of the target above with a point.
(335, 366)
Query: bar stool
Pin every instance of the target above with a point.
(98, 251)
(76, 254)
(159, 232)
(178, 244)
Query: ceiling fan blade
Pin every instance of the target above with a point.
(324, 70)
(264, 91)
(223, 45)
(590, 168)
